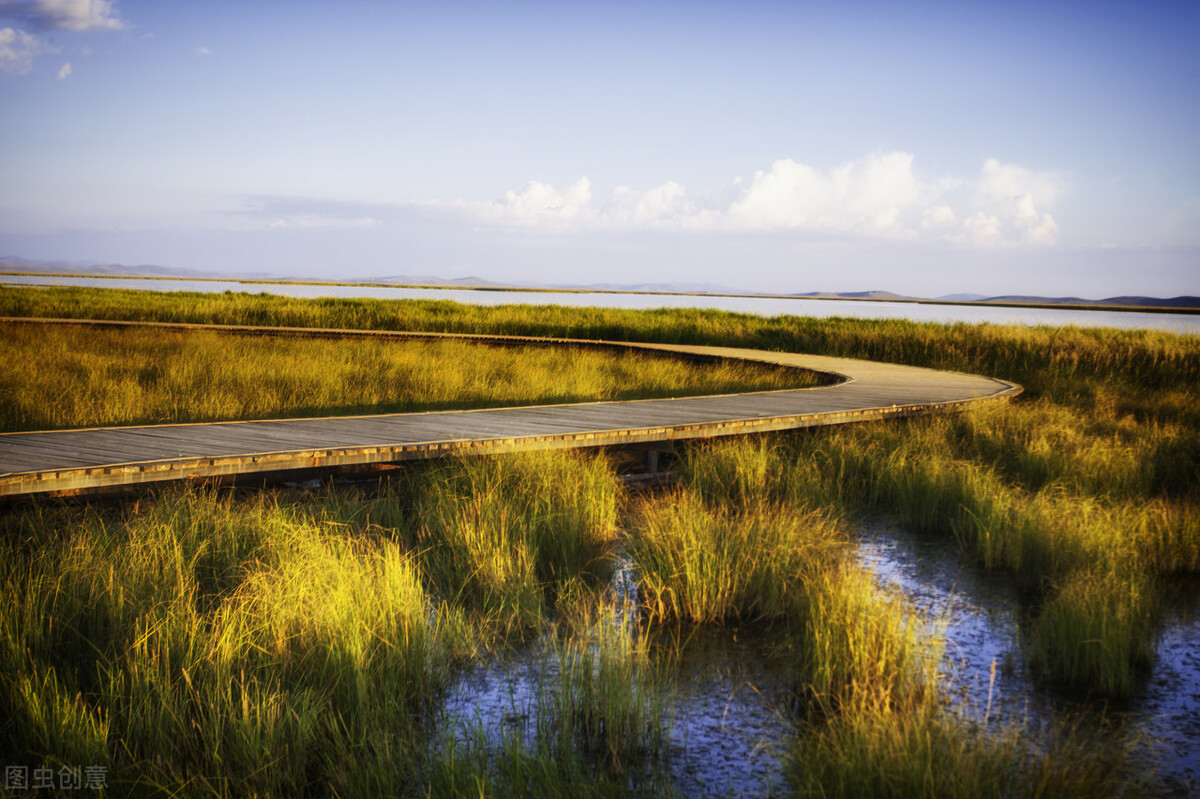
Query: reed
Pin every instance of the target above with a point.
(598, 724)
(503, 535)
(607, 703)
(67, 376)
(201, 644)
(920, 750)
(707, 564)
(1092, 632)
(1139, 369)
(1042, 491)
(1085, 491)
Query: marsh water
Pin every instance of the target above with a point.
(727, 690)
(763, 306)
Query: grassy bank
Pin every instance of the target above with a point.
(64, 376)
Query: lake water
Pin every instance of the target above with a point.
(764, 306)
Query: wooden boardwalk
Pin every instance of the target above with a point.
(69, 461)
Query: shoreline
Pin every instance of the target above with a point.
(543, 290)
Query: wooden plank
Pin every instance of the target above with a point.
(70, 460)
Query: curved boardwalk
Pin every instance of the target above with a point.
(100, 458)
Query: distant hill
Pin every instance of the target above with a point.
(855, 295)
(11, 263)
(431, 280)
(961, 297)
(15, 264)
(1130, 301)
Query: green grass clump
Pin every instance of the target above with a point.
(57, 376)
(919, 749)
(215, 646)
(606, 703)
(1092, 632)
(739, 541)
(708, 564)
(597, 726)
(503, 535)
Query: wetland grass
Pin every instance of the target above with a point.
(740, 541)
(504, 535)
(1085, 491)
(65, 376)
(272, 656)
(210, 643)
(1025, 510)
(704, 563)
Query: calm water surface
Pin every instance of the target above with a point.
(728, 695)
(764, 306)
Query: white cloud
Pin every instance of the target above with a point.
(1008, 181)
(18, 49)
(1013, 195)
(868, 195)
(64, 71)
(940, 216)
(879, 195)
(203, 51)
(663, 205)
(69, 15)
(540, 203)
(983, 229)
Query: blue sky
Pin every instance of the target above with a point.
(922, 148)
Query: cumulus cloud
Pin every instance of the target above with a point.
(64, 71)
(879, 195)
(69, 15)
(203, 51)
(940, 217)
(541, 204)
(869, 195)
(662, 205)
(1014, 195)
(18, 49)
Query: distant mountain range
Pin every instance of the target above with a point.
(11, 263)
(1014, 299)
(15, 264)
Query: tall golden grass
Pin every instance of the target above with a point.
(68, 376)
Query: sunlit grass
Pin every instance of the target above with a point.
(502, 536)
(709, 564)
(739, 541)
(1085, 492)
(215, 644)
(55, 376)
